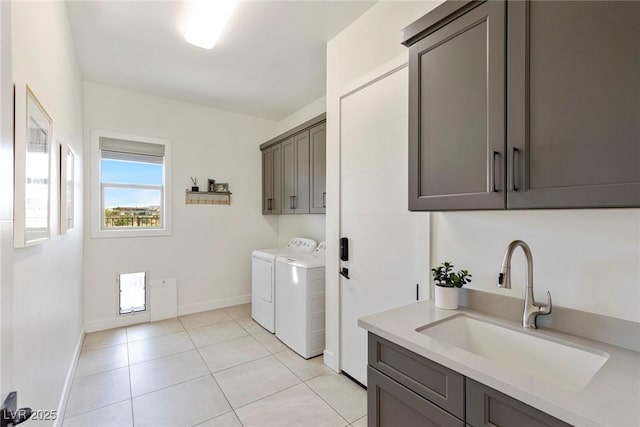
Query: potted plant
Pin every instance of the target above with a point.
(447, 283)
(194, 180)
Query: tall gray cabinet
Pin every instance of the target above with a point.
(524, 105)
(295, 174)
(294, 170)
(271, 180)
(318, 184)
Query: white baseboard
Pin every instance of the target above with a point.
(116, 322)
(213, 304)
(64, 397)
(331, 361)
(134, 319)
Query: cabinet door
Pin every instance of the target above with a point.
(390, 404)
(288, 148)
(301, 195)
(488, 407)
(267, 181)
(574, 104)
(271, 180)
(276, 202)
(318, 186)
(457, 114)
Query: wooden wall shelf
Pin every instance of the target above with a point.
(207, 198)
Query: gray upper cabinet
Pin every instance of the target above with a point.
(318, 186)
(271, 180)
(559, 129)
(573, 96)
(295, 174)
(294, 170)
(456, 114)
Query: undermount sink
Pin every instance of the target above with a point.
(566, 366)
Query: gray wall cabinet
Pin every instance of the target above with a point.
(295, 174)
(406, 389)
(456, 113)
(559, 129)
(271, 180)
(573, 96)
(318, 141)
(294, 170)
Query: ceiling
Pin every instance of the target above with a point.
(269, 61)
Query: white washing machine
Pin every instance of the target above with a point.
(300, 301)
(263, 276)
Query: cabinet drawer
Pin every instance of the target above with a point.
(434, 382)
(391, 404)
(488, 407)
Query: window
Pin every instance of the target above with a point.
(133, 292)
(131, 186)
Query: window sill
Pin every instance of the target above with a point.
(115, 234)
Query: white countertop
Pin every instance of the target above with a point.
(611, 398)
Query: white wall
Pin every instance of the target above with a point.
(310, 226)
(300, 116)
(209, 252)
(588, 259)
(368, 43)
(47, 310)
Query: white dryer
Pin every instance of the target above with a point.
(300, 296)
(263, 279)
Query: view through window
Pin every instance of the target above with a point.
(132, 184)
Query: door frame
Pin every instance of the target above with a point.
(6, 203)
(333, 308)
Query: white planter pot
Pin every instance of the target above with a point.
(446, 298)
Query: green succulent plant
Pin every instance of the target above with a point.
(445, 276)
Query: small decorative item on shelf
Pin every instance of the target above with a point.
(447, 284)
(211, 186)
(194, 180)
(222, 187)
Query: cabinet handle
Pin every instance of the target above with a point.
(324, 199)
(493, 171)
(295, 202)
(290, 202)
(514, 186)
(270, 204)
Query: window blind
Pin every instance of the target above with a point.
(131, 151)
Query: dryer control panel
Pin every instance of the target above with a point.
(301, 244)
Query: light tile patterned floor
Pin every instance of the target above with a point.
(213, 369)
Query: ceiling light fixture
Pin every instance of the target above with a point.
(208, 18)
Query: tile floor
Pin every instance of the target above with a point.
(216, 368)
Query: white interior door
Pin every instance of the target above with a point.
(385, 259)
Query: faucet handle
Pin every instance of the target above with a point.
(546, 308)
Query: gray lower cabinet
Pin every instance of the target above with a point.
(391, 404)
(488, 407)
(295, 174)
(318, 185)
(271, 180)
(524, 105)
(406, 389)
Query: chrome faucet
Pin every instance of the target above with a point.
(532, 309)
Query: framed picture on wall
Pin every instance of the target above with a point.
(32, 144)
(67, 188)
(222, 187)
